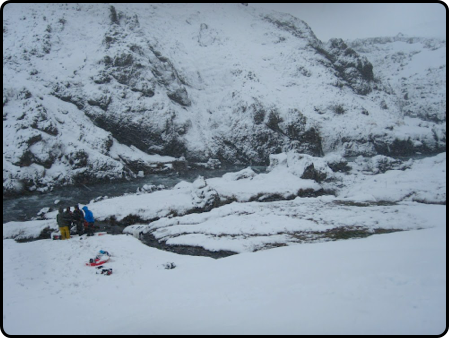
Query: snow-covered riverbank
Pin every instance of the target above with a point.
(377, 193)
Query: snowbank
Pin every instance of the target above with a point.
(423, 181)
(27, 230)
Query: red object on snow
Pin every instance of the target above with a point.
(98, 261)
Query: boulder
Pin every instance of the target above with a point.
(204, 197)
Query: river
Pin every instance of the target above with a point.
(26, 207)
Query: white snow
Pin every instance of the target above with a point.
(384, 284)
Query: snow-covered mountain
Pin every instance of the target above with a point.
(93, 91)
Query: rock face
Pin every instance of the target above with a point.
(184, 80)
(352, 70)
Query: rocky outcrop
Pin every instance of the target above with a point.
(204, 198)
(271, 133)
(351, 69)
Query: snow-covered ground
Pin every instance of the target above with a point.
(384, 284)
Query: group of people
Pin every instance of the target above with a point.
(84, 222)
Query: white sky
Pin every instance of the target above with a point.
(363, 20)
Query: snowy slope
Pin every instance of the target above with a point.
(416, 70)
(385, 284)
(95, 82)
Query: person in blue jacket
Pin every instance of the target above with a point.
(90, 220)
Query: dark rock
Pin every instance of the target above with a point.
(123, 60)
(355, 70)
(113, 15)
(78, 159)
(180, 96)
(340, 166)
(180, 165)
(102, 102)
(311, 174)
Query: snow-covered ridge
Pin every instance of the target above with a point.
(98, 90)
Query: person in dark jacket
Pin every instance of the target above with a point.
(69, 218)
(78, 220)
(63, 224)
(89, 220)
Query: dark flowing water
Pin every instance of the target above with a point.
(26, 207)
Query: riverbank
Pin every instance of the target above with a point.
(245, 211)
(26, 207)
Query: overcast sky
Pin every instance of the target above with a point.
(363, 20)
